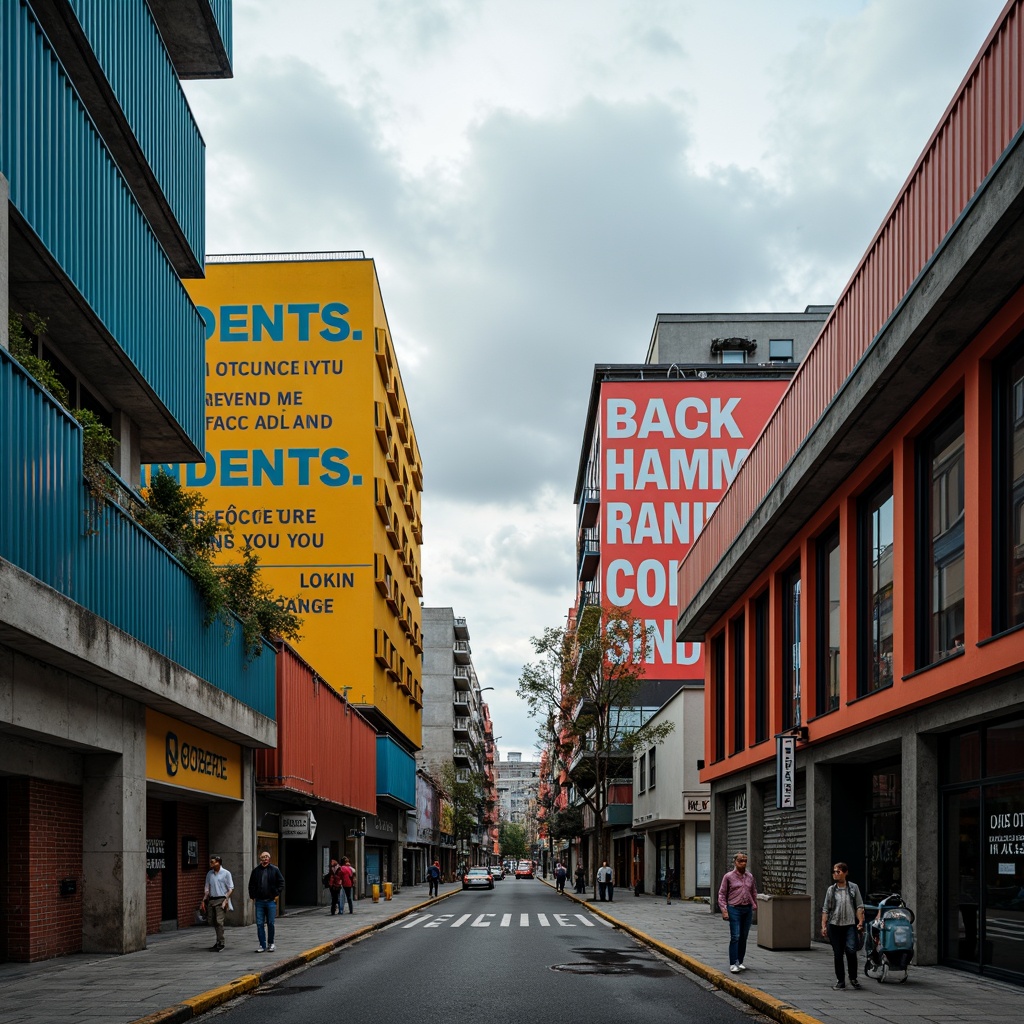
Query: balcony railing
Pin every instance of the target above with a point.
(462, 750)
(119, 572)
(461, 629)
(462, 652)
(462, 698)
(461, 724)
(461, 677)
(588, 554)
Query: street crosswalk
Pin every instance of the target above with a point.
(486, 920)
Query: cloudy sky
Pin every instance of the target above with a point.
(536, 180)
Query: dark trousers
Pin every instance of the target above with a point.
(335, 898)
(844, 941)
(347, 890)
(606, 890)
(431, 887)
(739, 928)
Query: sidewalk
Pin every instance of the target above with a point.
(177, 973)
(799, 984)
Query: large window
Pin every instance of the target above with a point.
(791, 649)
(940, 540)
(761, 668)
(718, 670)
(874, 586)
(652, 768)
(827, 619)
(739, 688)
(1009, 482)
(641, 774)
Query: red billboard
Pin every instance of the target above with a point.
(669, 449)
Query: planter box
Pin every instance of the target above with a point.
(784, 922)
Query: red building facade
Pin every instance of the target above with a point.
(861, 584)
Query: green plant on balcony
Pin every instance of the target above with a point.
(99, 445)
(177, 518)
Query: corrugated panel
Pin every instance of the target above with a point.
(324, 748)
(71, 194)
(130, 50)
(735, 826)
(119, 572)
(785, 835)
(396, 772)
(222, 15)
(978, 125)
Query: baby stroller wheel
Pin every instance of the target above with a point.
(883, 973)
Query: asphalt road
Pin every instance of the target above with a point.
(504, 956)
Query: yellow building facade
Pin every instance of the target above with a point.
(312, 461)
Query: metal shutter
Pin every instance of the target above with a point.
(785, 835)
(736, 825)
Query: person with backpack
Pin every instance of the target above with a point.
(560, 876)
(333, 881)
(433, 878)
(348, 881)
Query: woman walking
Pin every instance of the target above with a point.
(842, 921)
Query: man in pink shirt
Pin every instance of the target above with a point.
(737, 899)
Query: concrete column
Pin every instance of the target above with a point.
(233, 837)
(921, 842)
(755, 831)
(5, 262)
(721, 855)
(126, 462)
(114, 843)
(818, 779)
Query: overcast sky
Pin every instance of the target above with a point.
(536, 180)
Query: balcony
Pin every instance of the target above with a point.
(382, 500)
(461, 677)
(382, 353)
(588, 508)
(461, 725)
(462, 699)
(120, 572)
(198, 35)
(393, 400)
(462, 752)
(461, 629)
(588, 555)
(463, 655)
(382, 427)
(463, 775)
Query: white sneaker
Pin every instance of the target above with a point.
(272, 947)
(735, 968)
(260, 949)
(742, 967)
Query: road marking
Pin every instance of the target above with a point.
(417, 920)
(524, 920)
(601, 920)
(506, 920)
(562, 920)
(461, 921)
(439, 920)
(589, 924)
(543, 918)
(480, 922)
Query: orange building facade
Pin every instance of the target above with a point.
(860, 587)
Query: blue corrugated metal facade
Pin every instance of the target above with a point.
(396, 772)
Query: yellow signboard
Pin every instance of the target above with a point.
(182, 755)
(311, 462)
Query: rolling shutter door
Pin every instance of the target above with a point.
(785, 836)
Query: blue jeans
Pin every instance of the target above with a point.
(348, 897)
(739, 928)
(844, 941)
(266, 911)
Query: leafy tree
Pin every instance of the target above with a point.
(512, 839)
(466, 796)
(585, 684)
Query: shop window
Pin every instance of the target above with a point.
(652, 768)
(875, 589)
(791, 648)
(739, 694)
(718, 679)
(940, 540)
(827, 623)
(761, 668)
(962, 761)
(1004, 749)
(1008, 477)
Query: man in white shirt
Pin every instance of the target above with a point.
(217, 896)
(605, 883)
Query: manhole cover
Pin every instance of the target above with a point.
(594, 968)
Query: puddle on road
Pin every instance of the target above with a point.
(614, 961)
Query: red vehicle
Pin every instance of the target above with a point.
(524, 869)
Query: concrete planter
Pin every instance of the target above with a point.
(784, 922)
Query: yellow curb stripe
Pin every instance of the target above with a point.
(216, 996)
(777, 1009)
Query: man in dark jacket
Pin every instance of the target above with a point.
(266, 883)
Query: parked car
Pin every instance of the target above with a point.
(478, 878)
(498, 872)
(524, 869)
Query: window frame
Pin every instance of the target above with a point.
(1003, 511)
(718, 683)
(867, 505)
(641, 770)
(739, 684)
(792, 637)
(652, 771)
(782, 359)
(762, 654)
(825, 701)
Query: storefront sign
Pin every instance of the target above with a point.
(785, 772)
(155, 855)
(696, 804)
(299, 825)
(189, 758)
(382, 826)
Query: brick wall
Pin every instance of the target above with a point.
(193, 820)
(154, 885)
(44, 846)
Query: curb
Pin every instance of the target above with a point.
(769, 1005)
(194, 1006)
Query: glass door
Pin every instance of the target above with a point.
(962, 894)
(1003, 946)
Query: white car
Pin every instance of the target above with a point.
(478, 878)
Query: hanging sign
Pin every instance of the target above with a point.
(785, 772)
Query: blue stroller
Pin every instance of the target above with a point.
(889, 940)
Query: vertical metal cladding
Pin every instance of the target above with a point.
(324, 747)
(130, 50)
(66, 187)
(119, 572)
(977, 127)
(396, 772)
